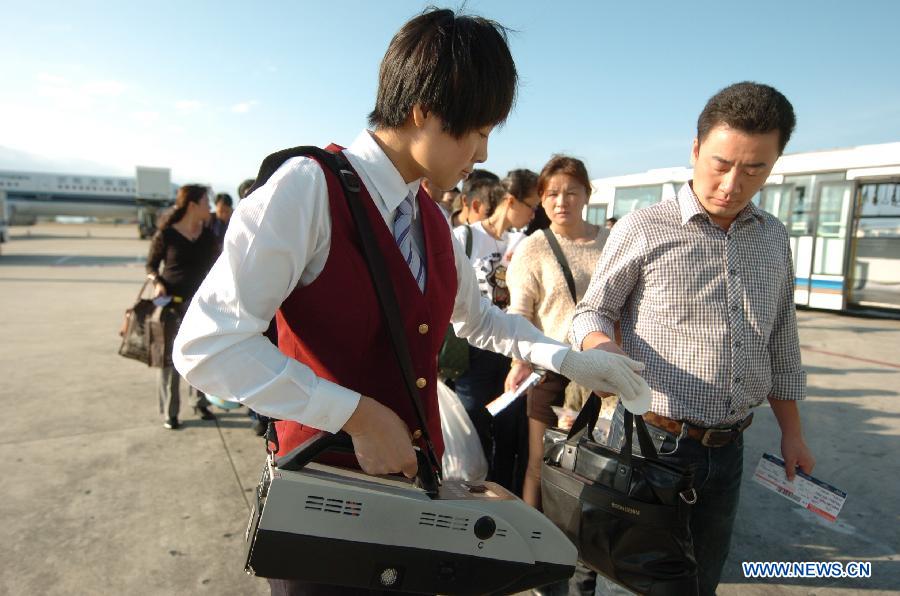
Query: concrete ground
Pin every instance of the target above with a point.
(97, 498)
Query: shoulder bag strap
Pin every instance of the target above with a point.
(561, 259)
(587, 419)
(468, 241)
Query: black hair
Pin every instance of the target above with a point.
(490, 192)
(458, 67)
(520, 183)
(224, 197)
(540, 221)
(476, 177)
(751, 108)
(187, 194)
(245, 187)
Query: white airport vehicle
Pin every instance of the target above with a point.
(841, 208)
(30, 195)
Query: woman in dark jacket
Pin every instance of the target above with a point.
(186, 248)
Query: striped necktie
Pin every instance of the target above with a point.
(403, 235)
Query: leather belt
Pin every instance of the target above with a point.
(708, 437)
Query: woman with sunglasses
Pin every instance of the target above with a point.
(490, 242)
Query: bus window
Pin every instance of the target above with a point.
(776, 199)
(803, 212)
(629, 199)
(835, 199)
(596, 214)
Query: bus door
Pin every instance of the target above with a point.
(820, 245)
(875, 255)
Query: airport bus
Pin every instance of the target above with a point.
(841, 208)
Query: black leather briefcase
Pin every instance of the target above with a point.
(627, 513)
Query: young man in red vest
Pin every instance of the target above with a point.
(292, 252)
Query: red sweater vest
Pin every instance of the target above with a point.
(335, 325)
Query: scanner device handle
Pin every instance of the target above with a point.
(307, 451)
(319, 443)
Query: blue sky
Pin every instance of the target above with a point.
(210, 88)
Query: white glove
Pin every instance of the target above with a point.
(599, 370)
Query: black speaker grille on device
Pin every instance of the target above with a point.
(444, 521)
(330, 505)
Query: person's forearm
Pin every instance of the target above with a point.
(600, 340)
(592, 340)
(788, 416)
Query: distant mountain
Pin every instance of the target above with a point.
(16, 159)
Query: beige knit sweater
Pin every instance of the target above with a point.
(538, 290)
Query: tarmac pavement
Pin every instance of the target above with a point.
(99, 499)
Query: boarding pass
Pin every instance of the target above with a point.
(810, 493)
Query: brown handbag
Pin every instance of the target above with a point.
(135, 329)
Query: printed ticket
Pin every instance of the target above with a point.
(500, 404)
(810, 493)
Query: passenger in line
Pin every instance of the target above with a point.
(703, 286)
(218, 223)
(448, 199)
(471, 209)
(509, 205)
(539, 292)
(186, 248)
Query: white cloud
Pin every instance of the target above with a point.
(66, 94)
(104, 88)
(50, 79)
(146, 117)
(189, 106)
(244, 106)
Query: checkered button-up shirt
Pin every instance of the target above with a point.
(710, 312)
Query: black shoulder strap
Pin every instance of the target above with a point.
(271, 163)
(338, 164)
(468, 241)
(561, 259)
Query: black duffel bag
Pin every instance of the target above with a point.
(627, 513)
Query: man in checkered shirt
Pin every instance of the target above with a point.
(703, 287)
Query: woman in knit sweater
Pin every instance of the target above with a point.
(540, 292)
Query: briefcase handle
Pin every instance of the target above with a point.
(587, 419)
(323, 441)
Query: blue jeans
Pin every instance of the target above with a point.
(717, 480)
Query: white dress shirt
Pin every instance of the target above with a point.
(278, 238)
